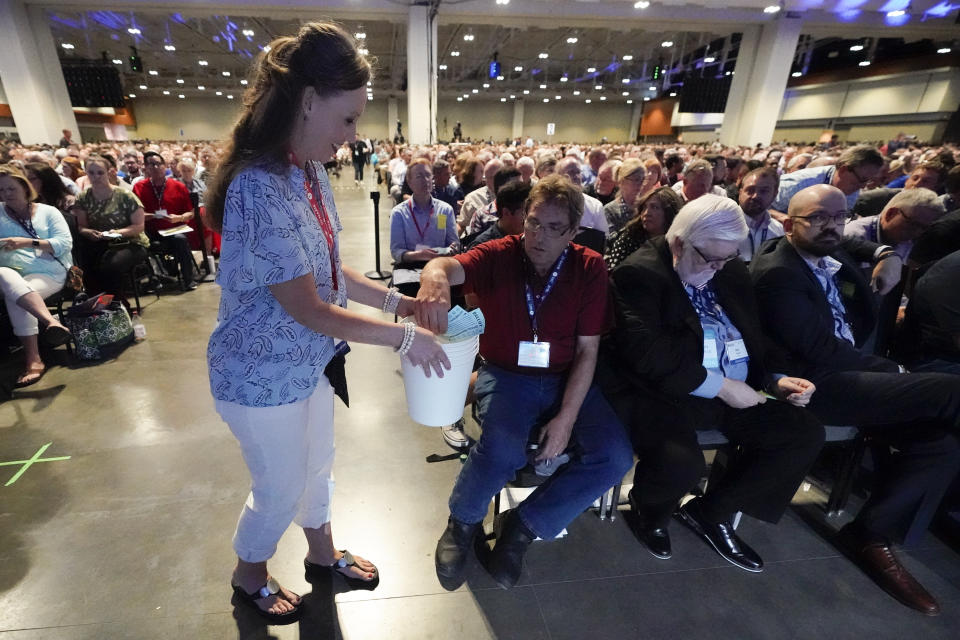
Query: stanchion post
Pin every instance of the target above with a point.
(377, 274)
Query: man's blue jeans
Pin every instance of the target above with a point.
(512, 407)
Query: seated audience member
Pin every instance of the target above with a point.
(674, 165)
(931, 329)
(536, 383)
(188, 169)
(105, 209)
(589, 171)
(443, 190)
(798, 162)
(908, 214)
(871, 202)
(943, 237)
(902, 168)
(49, 188)
(654, 172)
(757, 191)
(951, 190)
(816, 305)
(851, 173)
(546, 167)
(131, 168)
(35, 245)
(736, 169)
(480, 197)
(593, 217)
(398, 173)
(510, 204)
(630, 178)
(73, 170)
(697, 180)
(604, 187)
(486, 216)
(687, 354)
(469, 179)
(526, 167)
(719, 166)
(655, 214)
(421, 225)
(112, 176)
(167, 204)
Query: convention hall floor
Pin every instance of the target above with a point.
(130, 536)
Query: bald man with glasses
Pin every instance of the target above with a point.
(816, 304)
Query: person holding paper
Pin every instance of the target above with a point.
(545, 303)
(688, 353)
(110, 221)
(276, 357)
(167, 204)
(423, 224)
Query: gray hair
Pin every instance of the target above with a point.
(698, 166)
(525, 161)
(859, 156)
(912, 199)
(709, 217)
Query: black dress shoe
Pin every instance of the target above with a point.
(453, 550)
(721, 537)
(506, 559)
(655, 539)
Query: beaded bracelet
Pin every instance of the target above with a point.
(409, 333)
(392, 300)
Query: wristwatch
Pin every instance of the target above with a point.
(36, 242)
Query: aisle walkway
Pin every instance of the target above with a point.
(130, 537)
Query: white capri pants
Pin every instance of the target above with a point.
(14, 286)
(289, 452)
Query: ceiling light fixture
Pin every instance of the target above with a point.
(709, 59)
(132, 95)
(603, 97)
(225, 74)
(652, 88)
(247, 32)
(360, 35)
(625, 81)
(181, 96)
(169, 47)
(459, 98)
(629, 101)
(591, 69)
(166, 93)
(219, 93)
(864, 63)
(773, 8)
(486, 85)
(896, 13)
(133, 31)
(443, 67)
(117, 61)
(543, 55)
(577, 92)
(244, 82)
(513, 97)
(856, 47)
(518, 68)
(673, 94)
(564, 79)
(503, 99)
(67, 46)
(179, 80)
(588, 100)
(468, 37)
(455, 53)
(201, 87)
(526, 92)
(143, 87)
(571, 40)
(627, 58)
(625, 94)
(475, 91)
(363, 51)
(499, 77)
(647, 99)
(546, 99)
(153, 72)
(642, 4)
(796, 74)
(666, 43)
(543, 86)
(944, 50)
(503, 2)
(202, 63)
(229, 96)
(598, 87)
(267, 48)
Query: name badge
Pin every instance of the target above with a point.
(533, 354)
(711, 359)
(736, 351)
(441, 221)
(162, 213)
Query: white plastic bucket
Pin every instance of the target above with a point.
(436, 401)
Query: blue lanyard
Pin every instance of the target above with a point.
(534, 302)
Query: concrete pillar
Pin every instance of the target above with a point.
(422, 75)
(32, 76)
(393, 113)
(760, 79)
(634, 133)
(518, 106)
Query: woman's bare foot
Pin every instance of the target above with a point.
(282, 602)
(31, 374)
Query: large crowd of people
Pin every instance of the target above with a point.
(634, 294)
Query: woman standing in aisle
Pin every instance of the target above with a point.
(273, 361)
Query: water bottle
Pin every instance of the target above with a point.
(139, 330)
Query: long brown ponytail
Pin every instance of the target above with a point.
(323, 56)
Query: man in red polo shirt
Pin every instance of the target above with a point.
(167, 204)
(545, 303)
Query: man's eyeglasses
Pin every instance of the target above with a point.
(913, 222)
(153, 164)
(532, 225)
(860, 179)
(716, 263)
(820, 220)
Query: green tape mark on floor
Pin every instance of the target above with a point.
(29, 463)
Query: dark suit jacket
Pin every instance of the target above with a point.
(872, 202)
(657, 345)
(795, 312)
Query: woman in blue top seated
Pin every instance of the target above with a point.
(422, 224)
(274, 357)
(35, 246)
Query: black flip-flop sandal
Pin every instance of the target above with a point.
(270, 588)
(54, 336)
(314, 571)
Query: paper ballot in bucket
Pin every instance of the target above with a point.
(436, 401)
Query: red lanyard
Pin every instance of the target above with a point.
(320, 211)
(413, 215)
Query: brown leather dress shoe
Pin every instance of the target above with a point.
(877, 560)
